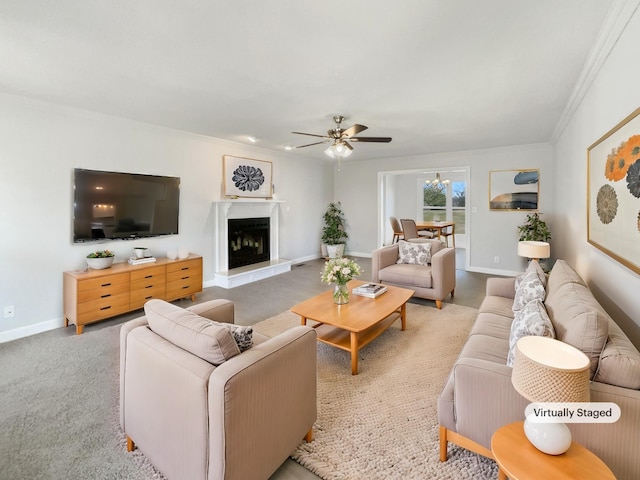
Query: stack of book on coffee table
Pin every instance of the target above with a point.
(371, 290)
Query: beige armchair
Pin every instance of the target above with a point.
(194, 420)
(433, 282)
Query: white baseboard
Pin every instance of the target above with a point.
(29, 330)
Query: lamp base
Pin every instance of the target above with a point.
(549, 438)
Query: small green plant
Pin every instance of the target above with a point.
(101, 254)
(333, 232)
(534, 228)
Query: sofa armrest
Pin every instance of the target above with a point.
(125, 329)
(501, 287)
(218, 310)
(382, 258)
(262, 401)
(485, 399)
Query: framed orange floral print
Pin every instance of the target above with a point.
(613, 192)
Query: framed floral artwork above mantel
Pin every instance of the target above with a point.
(246, 177)
(613, 192)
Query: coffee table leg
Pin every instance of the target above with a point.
(354, 353)
(303, 320)
(403, 316)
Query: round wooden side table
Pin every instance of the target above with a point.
(518, 459)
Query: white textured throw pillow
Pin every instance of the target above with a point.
(532, 319)
(191, 332)
(243, 335)
(530, 286)
(414, 253)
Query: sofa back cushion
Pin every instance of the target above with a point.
(191, 332)
(620, 361)
(561, 274)
(579, 320)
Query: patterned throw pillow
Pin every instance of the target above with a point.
(530, 286)
(530, 320)
(414, 253)
(241, 334)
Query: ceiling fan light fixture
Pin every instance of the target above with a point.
(338, 150)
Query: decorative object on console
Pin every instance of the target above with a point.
(513, 189)
(334, 234)
(548, 370)
(183, 252)
(172, 254)
(100, 259)
(140, 251)
(534, 250)
(246, 177)
(613, 192)
(339, 271)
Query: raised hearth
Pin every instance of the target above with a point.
(232, 273)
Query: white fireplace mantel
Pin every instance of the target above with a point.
(246, 208)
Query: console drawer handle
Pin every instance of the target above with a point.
(186, 286)
(185, 268)
(149, 286)
(147, 298)
(106, 284)
(149, 276)
(105, 296)
(106, 308)
(184, 278)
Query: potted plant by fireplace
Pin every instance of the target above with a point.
(334, 235)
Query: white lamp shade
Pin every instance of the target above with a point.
(533, 249)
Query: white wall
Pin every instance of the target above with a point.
(40, 144)
(613, 95)
(492, 233)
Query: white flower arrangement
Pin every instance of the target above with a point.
(340, 270)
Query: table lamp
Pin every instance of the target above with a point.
(534, 250)
(547, 370)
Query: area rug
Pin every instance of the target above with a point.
(382, 423)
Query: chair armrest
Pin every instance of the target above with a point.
(382, 258)
(218, 310)
(262, 401)
(501, 287)
(443, 271)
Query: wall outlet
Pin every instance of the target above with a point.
(496, 259)
(10, 311)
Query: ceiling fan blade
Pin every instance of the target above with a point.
(309, 144)
(310, 134)
(371, 139)
(354, 130)
(346, 144)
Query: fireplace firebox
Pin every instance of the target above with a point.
(248, 241)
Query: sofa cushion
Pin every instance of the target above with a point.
(191, 332)
(620, 361)
(414, 253)
(579, 320)
(532, 319)
(498, 305)
(492, 325)
(404, 274)
(560, 275)
(530, 287)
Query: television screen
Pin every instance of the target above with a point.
(113, 205)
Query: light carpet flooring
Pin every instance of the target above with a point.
(51, 391)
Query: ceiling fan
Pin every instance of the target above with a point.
(340, 138)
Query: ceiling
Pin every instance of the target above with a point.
(435, 75)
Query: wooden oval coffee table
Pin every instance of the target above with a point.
(518, 459)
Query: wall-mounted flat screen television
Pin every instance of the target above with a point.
(115, 205)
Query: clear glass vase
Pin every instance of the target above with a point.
(340, 293)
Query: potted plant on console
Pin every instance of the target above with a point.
(334, 235)
(100, 259)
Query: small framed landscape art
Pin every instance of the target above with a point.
(613, 192)
(246, 177)
(514, 189)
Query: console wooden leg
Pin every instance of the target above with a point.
(131, 446)
(79, 329)
(66, 322)
(309, 436)
(193, 297)
(443, 444)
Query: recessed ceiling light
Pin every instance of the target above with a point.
(288, 147)
(252, 139)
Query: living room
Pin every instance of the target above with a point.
(43, 138)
